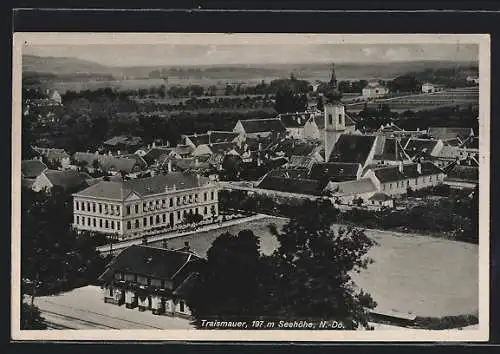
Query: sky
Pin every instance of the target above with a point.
(210, 54)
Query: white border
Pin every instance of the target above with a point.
(54, 38)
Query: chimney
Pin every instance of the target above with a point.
(400, 166)
(196, 162)
(154, 144)
(419, 168)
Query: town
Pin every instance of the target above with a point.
(140, 207)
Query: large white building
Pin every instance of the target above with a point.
(130, 208)
(374, 89)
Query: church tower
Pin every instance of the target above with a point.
(334, 114)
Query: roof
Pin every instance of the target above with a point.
(187, 285)
(155, 153)
(364, 185)
(389, 128)
(301, 161)
(189, 163)
(390, 149)
(143, 186)
(293, 146)
(392, 173)
(158, 263)
(52, 153)
(124, 140)
(291, 185)
(108, 163)
(449, 133)
(336, 171)
(415, 146)
(66, 179)
(32, 168)
(457, 171)
(213, 137)
(289, 173)
(380, 197)
(352, 148)
(470, 143)
(262, 125)
(294, 120)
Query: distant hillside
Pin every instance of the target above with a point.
(64, 66)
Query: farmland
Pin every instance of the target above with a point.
(454, 97)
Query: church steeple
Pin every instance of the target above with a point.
(332, 93)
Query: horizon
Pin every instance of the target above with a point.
(148, 55)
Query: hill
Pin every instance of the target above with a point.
(60, 66)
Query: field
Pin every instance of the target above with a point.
(453, 97)
(411, 273)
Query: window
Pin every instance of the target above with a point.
(100, 223)
(390, 185)
(100, 208)
(205, 210)
(145, 222)
(330, 119)
(83, 206)
(128, 209)
(106, 224)
(112, 224)
(164, 218)
(181, 306)
(171, 202)
(88, 206)
(408, 183)
(83, 220)
(178, 200)
(129, 225)
(88, 221)
(77, 220)
(178, 215)
(136, 208)
(163, 202)
(111, 292)
(77, 204)
(340, 119)
(212, 195)
(118, 225)
(144, 207)
(150, 220)
(158, 219)
(205, 196)
(137, 223)
(93, 207)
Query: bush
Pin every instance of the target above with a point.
(446, 322)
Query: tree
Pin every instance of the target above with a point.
(229, 283)
(312, 267)
(192, 218)
(31, 318)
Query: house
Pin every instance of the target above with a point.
(336, 171)
(347, 192)
(65, 180)
(214, 148)
(271, 128)
(390, 151)
(31, 169)
(295, 123)
(427, 148)
(153, 155)
(428, 87)
(374, 90)
(212, 137)
(380, 200)
(395, 180)
(297, 161)
(472, 79)
(132, 207)
(151, 279)
(288, 180)
(447, 134)
(55, 156)
(110, 164)
(459, 176)
(123, 143)
(352, 148)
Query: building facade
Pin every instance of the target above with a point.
(133, 207)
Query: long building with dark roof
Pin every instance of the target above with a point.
(132, 207)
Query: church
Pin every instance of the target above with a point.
(336, 121)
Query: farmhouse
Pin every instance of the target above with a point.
(151, 278)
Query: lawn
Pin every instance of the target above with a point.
(411, 274)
